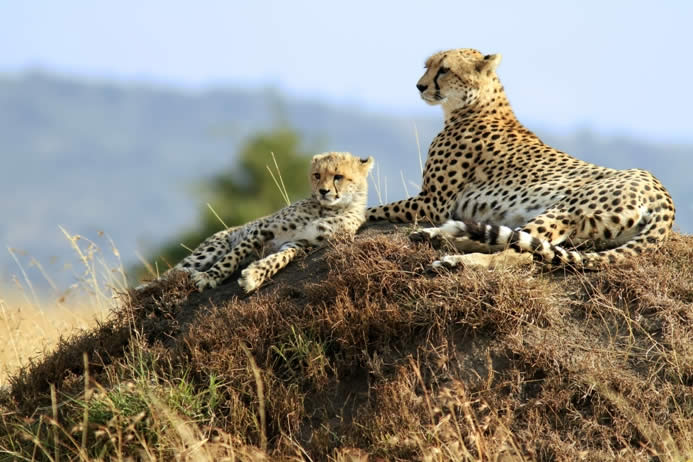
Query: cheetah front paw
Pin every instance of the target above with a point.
(449, 262)
(203, 280)
(250, 279)
(432, 235)
(477, 260)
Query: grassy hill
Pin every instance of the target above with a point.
(360, 352)
(101, 156)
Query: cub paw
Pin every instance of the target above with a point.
(203, 281)
(250, 279)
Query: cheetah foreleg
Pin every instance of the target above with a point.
(225, 267)
(450, 233)
(259, 271)
(204, 256)
(437, 236)
(457, 233)
(505, 259)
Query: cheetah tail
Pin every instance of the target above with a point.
(495, 235)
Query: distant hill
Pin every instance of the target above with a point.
(122, 158)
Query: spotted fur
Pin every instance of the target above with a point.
(505, 187)
(337, 206)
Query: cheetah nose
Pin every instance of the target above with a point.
(422, 88)
(324, 191)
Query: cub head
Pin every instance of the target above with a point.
(456, 77)
(339, 178)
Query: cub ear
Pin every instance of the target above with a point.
(317, 157)
(489, 63)
(367, 163)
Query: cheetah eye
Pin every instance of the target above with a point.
(316, 176)
(443, 70)
(338, 177)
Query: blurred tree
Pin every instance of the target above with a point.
(245, 192)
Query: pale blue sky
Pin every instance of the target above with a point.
(614, 66)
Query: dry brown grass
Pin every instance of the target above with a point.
(361, 353)
(32, 327)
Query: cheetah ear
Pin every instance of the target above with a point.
(317, 157)
(489, 63)
(367, 164)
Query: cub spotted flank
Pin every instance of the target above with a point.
(336, 206)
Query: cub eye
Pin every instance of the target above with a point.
(338, 177)
(316, 176)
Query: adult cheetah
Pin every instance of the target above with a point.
(494, 182)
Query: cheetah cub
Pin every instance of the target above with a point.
(337, 206)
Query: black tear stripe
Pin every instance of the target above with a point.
(441, 70)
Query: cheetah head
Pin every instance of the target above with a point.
(455, 77)
(338, 179)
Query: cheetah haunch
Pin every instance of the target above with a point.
(493, 182)
(337, 206)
